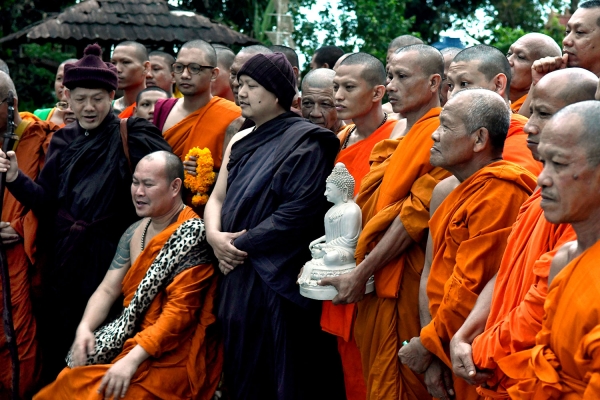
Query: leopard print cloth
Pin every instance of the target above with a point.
(185, 248)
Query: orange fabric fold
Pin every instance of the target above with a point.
(31, 150)
(520, 290)
(469, 231)
(515, 146)
(204, 127)
(127, 112)
(185, 360)
(27, 116)
(516, 105)
(565, 363)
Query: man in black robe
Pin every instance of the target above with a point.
(82, 199)
(267, 206)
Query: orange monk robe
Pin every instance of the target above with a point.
(519, 293)
(27, 116)
(338, 320)
(204, 127)
(516, 105)
(565, 362)
(469, 231)
(184, 359)
(128, 112)
(30, 149)
(397, 186)
(515, 146)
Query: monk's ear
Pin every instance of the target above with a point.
(111, 94)
(435, 81)
(378, 93)
(500, 84)
(134, 111)
(325, 65)
(215, 74)
(481, 139)
(176, 185)
(147, 67)
(68, 94)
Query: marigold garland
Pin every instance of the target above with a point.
(205, 176)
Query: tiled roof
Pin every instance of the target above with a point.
(145, 21)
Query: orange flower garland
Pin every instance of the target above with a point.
(205, 177)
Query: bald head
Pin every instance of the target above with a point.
(449, 53)
(404, 40)
(6, 85)
(209, 52)
(429, 58)
(541, 45)
(585, 117)
(4, 67)
(139, 50)
(320, 78)
(490, 60)
(225, 57)
(341, 59)
(288, 52)
(255, 49)
(373, 70)
(171, 165)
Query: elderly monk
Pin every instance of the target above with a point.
(220, 86)
(161, 71)
(448, 53)
(317, 102)
(513, 302)
(133, 66)
(486, 67)
(466, 241)
(81, 199)
(170, 351)
(325, 57)
(56, 114)
(146, 100)
(18, 231)
(394, 197)
(521, 56)
(564, 363)
(359, 87)
(260, 218)
(199, 119)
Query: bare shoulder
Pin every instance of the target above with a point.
(441, 191)
(563, 256)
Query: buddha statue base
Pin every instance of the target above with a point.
(315, 271)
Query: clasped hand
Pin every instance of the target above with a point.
(228, 255)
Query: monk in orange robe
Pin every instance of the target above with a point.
(394, 197)
(468, 230)
(564, 362)
(357, 141)
(169, 352)
(133, 67)
(486, 67)
(18, 229)
(514, 313)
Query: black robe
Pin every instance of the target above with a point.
(82, 198)
(274, 346)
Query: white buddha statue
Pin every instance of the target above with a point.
(333, 253)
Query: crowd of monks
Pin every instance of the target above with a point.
(478, 177)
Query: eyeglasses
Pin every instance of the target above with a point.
(4, 101)
(193, 68)
(62, 105)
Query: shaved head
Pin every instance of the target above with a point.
(491, 61)
(430, 58)
(449, 53)
(168, 58)
(173, 165)
(342, 58)
(288, 52)
(4, 67)
(255, 49)
(541, 45)
(404, 40)
(70, 60)
(585, 114)
(140, 52)
(373, 71)
(225, 56)
(320, 78)
(572, 85)
(6, 85)
(205, 47)
(326, 55)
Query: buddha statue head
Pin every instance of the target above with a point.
(339, 185)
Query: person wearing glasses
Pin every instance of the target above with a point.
(56, 114)
(199, 119)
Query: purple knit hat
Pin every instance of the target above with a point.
(275, 73)
(91, 72)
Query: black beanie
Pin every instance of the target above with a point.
(91, 72)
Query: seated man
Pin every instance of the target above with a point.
(146, 100)
(467, 232)
(166, 348)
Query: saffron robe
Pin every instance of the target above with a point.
(515, 146)
(338, 320)
(521, 287)
(469, 231)
(275, 191)
(177, 331)
(564, 364)
(30, 149)
(204, 127)
(127, 112)
(82, 198)
(516, 105)
(399, 184)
